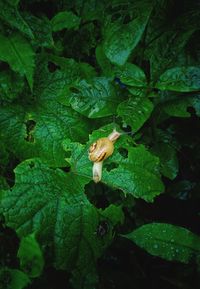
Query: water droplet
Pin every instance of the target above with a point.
(155, 246)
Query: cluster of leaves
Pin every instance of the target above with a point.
(70, 72)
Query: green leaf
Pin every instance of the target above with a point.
(39, 133)
(72, 68)
(114, 214)
(17, 52)
(104, 63)
(135, 111)
(66, 19)
(10, 15)
(95, 98)
(30, 256)
(138, 174)
(183, 79)
(53, 204)
(11, 85)
(167, 241)
(38, 129)
(179, 106)
(163, 49)
(168, 159)
(3, 184)
(14, 2)
(13, 279)
(90, 10)
(41, 29)
(121, 39)
(131, 74)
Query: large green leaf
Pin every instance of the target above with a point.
(166, 38)
(18, 53)
(53, 204)
(10, 15)
(167, 241)
(38, 129)
(163, 49)
(121, 39)
(40, 132)
(95, 98)
(184, 79)
(65, 19)
(135, 111)
(137, 174)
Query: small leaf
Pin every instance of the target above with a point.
(135, 111)
(17, 52)
(167, 241)
(114, 214)
(95, 98)
(13, 279)
(121, 39)
(64, 20)
(30, 256)
(183, 79)
(131, 74)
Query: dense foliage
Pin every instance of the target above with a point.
(71, 72)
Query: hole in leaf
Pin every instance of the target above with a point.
(96, 194)
(66, 169)
(74, 90)
(123, 152)
(30, 125)
(52, 67)
(109, 167)
(126, 19)
(31, 165)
